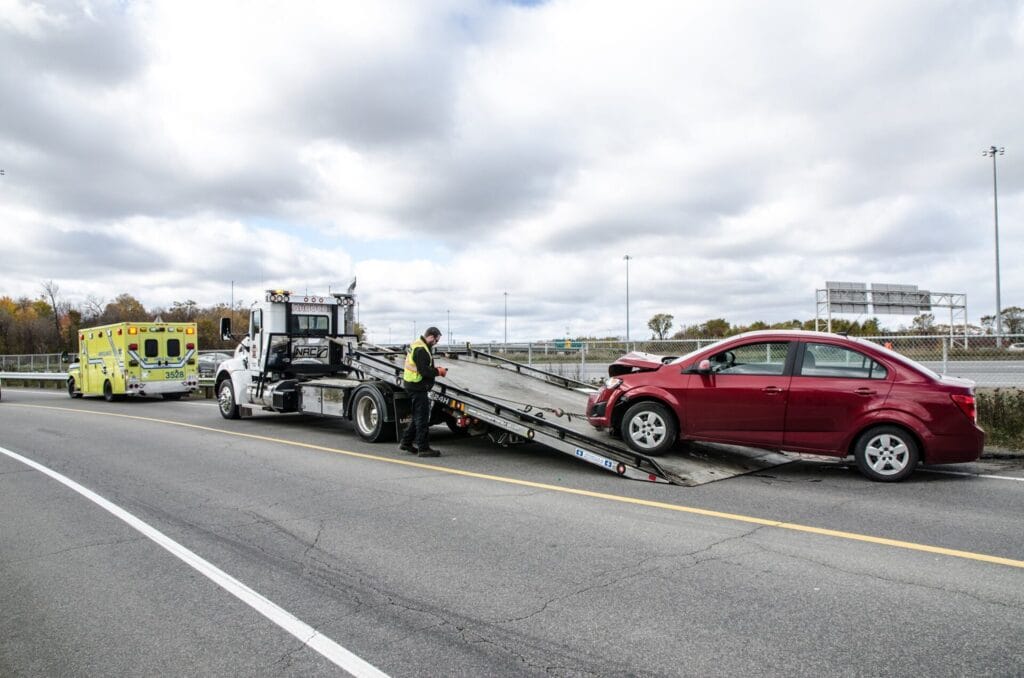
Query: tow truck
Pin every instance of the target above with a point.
(301, 355)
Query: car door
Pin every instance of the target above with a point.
(743, 399)
(833, 388)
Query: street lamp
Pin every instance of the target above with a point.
(994, 151)
(449, 313)
(627, 258)
(506, 321)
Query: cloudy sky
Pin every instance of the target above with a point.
(448, 152)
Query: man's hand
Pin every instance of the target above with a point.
(442, 371)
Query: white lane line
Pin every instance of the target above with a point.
(286, 620)
(972, 475)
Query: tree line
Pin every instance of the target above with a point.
(50, 324)
(661, 326)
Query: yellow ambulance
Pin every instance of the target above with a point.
(136, 359)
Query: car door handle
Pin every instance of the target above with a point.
(865, 391)
(771, 390)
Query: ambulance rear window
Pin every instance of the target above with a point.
(152, 348)
(173, 348)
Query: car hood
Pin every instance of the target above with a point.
(637, 361)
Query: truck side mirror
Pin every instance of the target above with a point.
(225, 328)
(64, 357)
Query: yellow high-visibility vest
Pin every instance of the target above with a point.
(412, 373)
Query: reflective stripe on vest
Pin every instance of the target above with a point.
(412, 373)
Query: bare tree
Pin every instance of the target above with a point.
(51, 290)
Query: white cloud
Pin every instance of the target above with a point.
(743, 153)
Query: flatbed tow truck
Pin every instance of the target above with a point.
(295, 360)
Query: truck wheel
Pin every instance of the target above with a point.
(108, 391)
(71, 389)
(649, 428)
(886, 454)
(226, 399)
(368, 416)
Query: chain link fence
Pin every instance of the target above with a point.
(979, 358)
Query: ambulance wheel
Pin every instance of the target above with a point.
(226, 400)
(368, 416)
(108, 392)
(71, 389)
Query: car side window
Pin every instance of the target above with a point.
(763, 358)
(829, 360)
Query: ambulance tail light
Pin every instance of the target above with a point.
(133, 330)
(133, 347)
(190, 330)
(189, 346)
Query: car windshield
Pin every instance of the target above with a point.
(688, 356)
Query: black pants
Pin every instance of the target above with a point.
(420, 426)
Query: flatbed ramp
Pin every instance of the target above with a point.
(551, 409)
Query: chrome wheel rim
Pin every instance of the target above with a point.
(887, 454)
(367, 415)
(226, 398)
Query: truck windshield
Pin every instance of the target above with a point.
(309, 324)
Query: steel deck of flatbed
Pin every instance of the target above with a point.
(551, 409)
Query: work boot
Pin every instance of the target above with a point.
(429, 452)
(407, 447)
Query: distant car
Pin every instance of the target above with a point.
(1019, 346)
(800, 391)
(208, 363)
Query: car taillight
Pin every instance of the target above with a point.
(967, 405)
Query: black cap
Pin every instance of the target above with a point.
(432, 332)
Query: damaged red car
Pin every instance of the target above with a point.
(798, 391)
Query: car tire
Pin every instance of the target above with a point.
(226, 399)
(108, 391)
(649, 428)
(886, 454)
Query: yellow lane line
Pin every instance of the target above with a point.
(796, 527)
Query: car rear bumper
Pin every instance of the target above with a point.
(955, 449)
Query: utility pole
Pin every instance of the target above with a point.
(506, 321)
(627, 258)
(994, 151)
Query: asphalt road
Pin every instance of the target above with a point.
(485, 562)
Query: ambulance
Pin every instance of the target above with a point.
(136, 359)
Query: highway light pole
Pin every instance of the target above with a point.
(994, 151)
(449, 314)
(627, 258)
(506, 321)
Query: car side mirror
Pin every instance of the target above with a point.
(225, 328)
(703, 367)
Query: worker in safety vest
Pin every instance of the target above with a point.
(418, 379)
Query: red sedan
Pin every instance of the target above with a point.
(800, 391)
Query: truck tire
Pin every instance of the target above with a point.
(368, 409)
(108, 391)
(226, 399)
(71, 389)
(650, 428)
